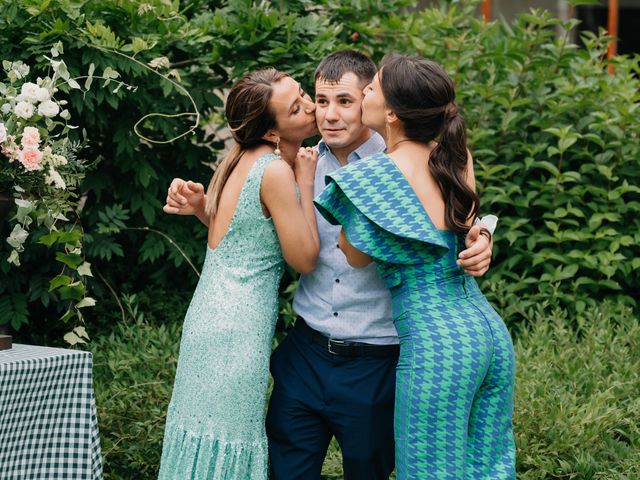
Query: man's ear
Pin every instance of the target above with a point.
(271, 136)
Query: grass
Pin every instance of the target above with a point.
(577, 412)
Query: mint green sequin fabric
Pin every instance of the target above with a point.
(215, 423)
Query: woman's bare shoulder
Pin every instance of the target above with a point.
(278, 171)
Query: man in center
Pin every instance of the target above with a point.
(334, 374)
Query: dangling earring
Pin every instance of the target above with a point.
(277, 150)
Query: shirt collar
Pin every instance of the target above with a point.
(374, 144)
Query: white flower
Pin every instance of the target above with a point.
(144, 8)
(55, 179)
(52, 159)
(3, 133)
(23, 110)
(21, 69)
(57, 160)
(15, 70)
(42, 94)
(47, 155)
(17, 237)
(6, 108)
(48, 109)
(159, 62)
(29, 92)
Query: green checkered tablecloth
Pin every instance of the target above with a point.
(48, 423)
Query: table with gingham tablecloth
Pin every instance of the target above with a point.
(48, 423)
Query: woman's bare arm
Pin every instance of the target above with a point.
(294, 220)
(355, 257)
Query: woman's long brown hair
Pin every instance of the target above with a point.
(422, 96)
(250, 118)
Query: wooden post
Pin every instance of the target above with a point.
(613, 31)
(486, 10)
(5, 342)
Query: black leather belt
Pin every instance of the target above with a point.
(345, 348)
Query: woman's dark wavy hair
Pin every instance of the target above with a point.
(422, 96)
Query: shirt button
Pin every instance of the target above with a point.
(337, 280)
(335, 314)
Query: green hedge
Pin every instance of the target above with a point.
(555, 138)
(576, 410)
(207, 45)
(556, 142)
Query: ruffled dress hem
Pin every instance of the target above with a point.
(196, 455)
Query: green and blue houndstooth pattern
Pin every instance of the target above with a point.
(455, 376)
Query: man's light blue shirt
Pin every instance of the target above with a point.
(336, 299)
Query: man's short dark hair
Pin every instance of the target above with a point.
(333, 67)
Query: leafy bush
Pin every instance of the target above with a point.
(134, 368)
(180, 58)
(555, 138)
(557, 158)
(126, 187)
(556, 142)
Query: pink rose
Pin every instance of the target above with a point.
(30, 158)
(30, 137)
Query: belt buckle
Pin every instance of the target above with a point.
(331, 342)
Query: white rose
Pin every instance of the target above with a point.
(23, 70)
(48, 108)
(29, 92)
(3, 133)
(23, 110)
(6, 108)
(42, 94)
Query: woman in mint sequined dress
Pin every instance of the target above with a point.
(408, 210)
(215, 422)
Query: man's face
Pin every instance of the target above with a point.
(338, 112)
